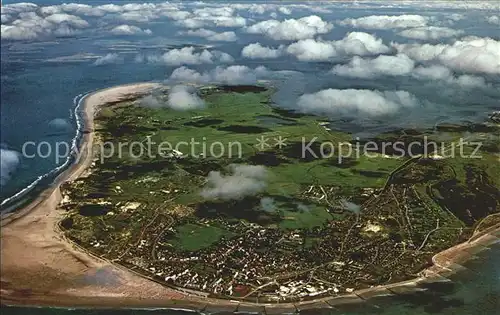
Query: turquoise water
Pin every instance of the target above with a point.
(475, 291)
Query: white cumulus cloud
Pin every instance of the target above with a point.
(243, 181)
(360, 43)
(71, 20)
(355, 43)
(474, 55)
(443, 74)
(370, 68)
(494, 19)
(129, 30)
(16, 8)
(112, 58)
(30, 26)
(232, 75)
(223, 37)
(182, 97)
(188, 56)
(386, 21)
(430, 32)
(257, 51)
(215, 21)
(9, 161)
(211, 35)
(312, 50)
(370, 103)
(291, 29)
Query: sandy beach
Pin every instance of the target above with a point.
(37, 263)
(40, 267)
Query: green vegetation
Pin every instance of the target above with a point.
(333, 222)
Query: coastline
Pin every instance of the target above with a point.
(41, 267)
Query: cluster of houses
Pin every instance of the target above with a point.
(260, 262)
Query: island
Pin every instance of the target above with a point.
(235, 203)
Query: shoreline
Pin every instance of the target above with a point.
(41, 267)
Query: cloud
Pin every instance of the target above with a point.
(184, 74)
(372, 68)
(430, 32)
(223, 37)
(302, 207)
(216, 16)
(10, 32)
(425, 52)
(71, 20)
(456, 17)
(192, 23)
(494, 19)
(257, 51)
(138, 16)
(233, 21)
(189, 56)
(386, 21)
(9, 161)
(312, 50)
(212, 21)
(352, 102)
(256, 8)
(435, 72)
(285, 10)
(243, 181)
(211, 35)
(6, 18)
(214, 11)
(441, 73)
(402, 65)
(181, 97)
(474, 55)
(16, 8)
(267, 204)
(470, 81)
(177, 15)
(30, 26)
(291, 29)
(355, 43)
(129, 30)
(201, 32)
(350, 206)
(81, 9)
(51, 9)
(151, 101)
(110, 8)
(362, 44)
(112, 58)
(224, 75)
